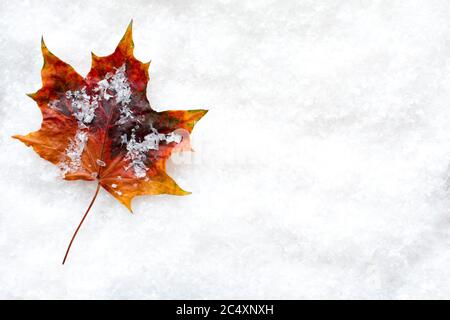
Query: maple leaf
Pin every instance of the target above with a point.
(102, 127)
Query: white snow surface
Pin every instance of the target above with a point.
(320, 171)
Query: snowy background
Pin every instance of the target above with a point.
(321, 171)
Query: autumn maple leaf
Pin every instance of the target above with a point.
(102, 127)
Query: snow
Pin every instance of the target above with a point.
(119, 87)
(137, 151)
(83, 106)
(74, 153)
(100, 163)
(320, 171)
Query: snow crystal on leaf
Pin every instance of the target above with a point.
(173, 137)
(119, 83)
(74, 152)
(103, 86)
(83, 105)
(137, 151)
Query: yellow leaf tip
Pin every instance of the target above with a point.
(129, 31)
(127, 203)
(19, 137)
(146, 66)
(199, 113)
(45, 51)
(181, 192)
(43, 45)
(126, 43)
(31, 95)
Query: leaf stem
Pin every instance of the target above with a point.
(81, 222)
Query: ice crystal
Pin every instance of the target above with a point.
(137, 150)
(74, 152)
(83, 105)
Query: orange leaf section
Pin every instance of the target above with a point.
(103, 128)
